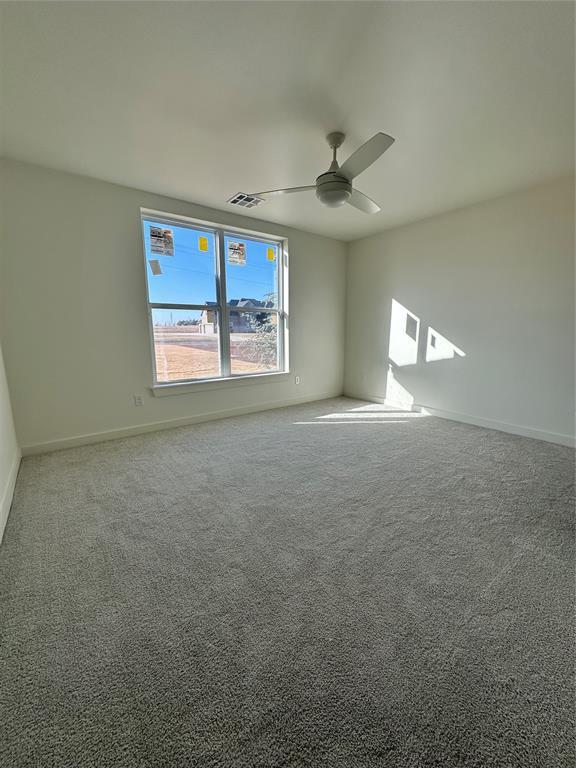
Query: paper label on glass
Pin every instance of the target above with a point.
(237, 253)
(155, 266)
(162, 241)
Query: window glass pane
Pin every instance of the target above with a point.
(180, 264)
(186, 344)
(251, 272)
(253, 342)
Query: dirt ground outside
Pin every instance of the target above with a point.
(185, 354)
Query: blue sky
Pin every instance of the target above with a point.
(188, 276)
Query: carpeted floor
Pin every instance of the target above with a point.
(313, 586)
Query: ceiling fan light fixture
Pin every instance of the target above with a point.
(333, 198)
(334, 187)
(333, 190)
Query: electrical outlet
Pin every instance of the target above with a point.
(296, 379)
(138, 400)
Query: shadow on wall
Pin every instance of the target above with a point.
(409, 346)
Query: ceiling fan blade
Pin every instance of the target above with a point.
(367, 154)
(363, 203)
(275, 192)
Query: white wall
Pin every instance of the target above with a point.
(9, 450)
(495, 280)
(75, 333)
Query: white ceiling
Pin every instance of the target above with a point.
(201, 100)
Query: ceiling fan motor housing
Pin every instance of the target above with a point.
(333, 190)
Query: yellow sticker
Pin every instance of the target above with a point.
(203, 243)
(271, 254)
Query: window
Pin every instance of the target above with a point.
(216, 300)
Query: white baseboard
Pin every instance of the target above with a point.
(157, 426)
(502, 426)
(402, 405)
(8, 493)
(477, 421)
(364, 396)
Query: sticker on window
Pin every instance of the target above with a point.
(237, 253)
(203, 243)
(271, 254)
(162, 241)
(155, 267)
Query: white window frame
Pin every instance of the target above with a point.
(219, 232)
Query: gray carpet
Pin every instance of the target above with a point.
(283, 589)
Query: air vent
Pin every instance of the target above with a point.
(245, 201)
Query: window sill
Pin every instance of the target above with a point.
(183, 387)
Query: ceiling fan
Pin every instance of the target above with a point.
(334, 187)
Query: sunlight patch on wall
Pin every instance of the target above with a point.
(438, 347)
(404, 331)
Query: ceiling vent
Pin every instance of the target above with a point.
(245, 201)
